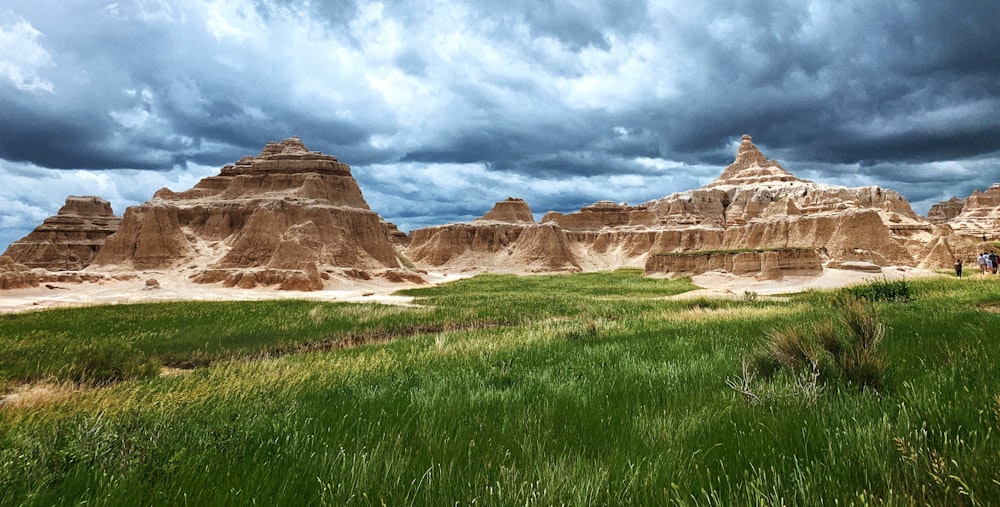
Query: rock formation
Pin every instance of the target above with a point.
(505, 239)
(966, 227)
(979, 215)
(944, 211)
(763, 264)
(70, 239)
(14, 275)
(289, 217)
(755, 204)
(510, 211)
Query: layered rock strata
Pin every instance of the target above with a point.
(980, 215)
(761, 264)
(289, 217)
(505, 239)
(511, 211)
(70, 239)
(944, 211)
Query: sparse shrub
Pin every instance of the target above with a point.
(750, 296)
(789, 348)
(825, 352)
(860, 360)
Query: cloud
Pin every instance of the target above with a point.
(598, 100)
(22, 58)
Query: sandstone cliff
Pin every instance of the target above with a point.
(762, 264)
(68, 240)
(289, 217)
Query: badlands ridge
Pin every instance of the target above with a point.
(296, 220)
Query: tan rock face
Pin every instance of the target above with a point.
(944, 211)
(980, 216)
(280, 218)
(14, 275)
(601, 215)
(769, 264)
(493, 247)
(69, 240)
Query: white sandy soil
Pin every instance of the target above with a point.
(176, 287)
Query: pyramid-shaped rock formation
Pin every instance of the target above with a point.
(752, 168)
(69, 240)
(288, 217)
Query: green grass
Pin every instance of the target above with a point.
(580, 390)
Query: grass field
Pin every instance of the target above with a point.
(588, 389)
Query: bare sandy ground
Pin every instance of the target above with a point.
(176, 287)
(723, 284)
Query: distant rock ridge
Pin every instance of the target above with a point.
(70, 239)
(755, 204)
(504, 240)
(297, 220)
(289, 217)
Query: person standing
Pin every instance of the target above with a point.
(958, 268)
(993, 260)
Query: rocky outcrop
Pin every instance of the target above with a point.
(505, 239)
(289, 217)
(70, 239)
(601, 215)
(763, 264)
(944, 211)
(14, 275)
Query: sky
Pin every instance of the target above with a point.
(443, 107)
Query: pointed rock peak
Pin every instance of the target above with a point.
(751, 167)
(289, 146)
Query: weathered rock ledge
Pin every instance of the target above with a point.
(770, 264)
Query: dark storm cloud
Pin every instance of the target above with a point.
(620, 99)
